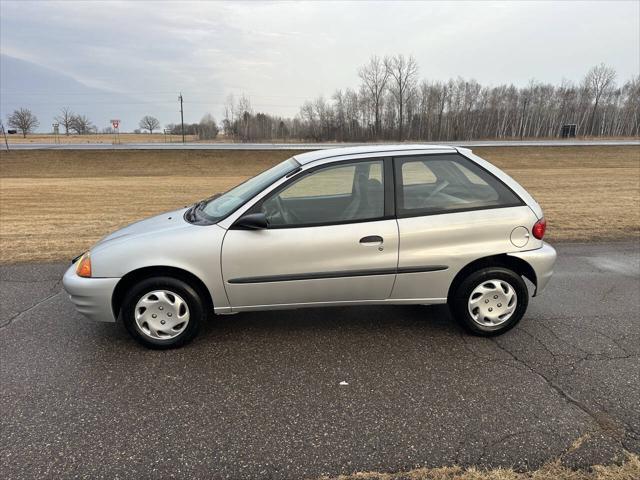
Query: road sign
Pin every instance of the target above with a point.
(115, 124)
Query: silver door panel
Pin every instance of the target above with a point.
(252, 261)
(454, 240)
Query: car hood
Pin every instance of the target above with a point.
(152, 225)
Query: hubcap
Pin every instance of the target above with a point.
(492, 303)
(161, 315)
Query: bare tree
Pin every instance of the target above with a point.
(149, 123)
(229, 117)
(24, 120)
(244, 112)
(402, 72)
(374, 76)
(65, 119)
(599, 81)
(81, 125)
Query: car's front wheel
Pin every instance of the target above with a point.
(490, 301)
(162, 312)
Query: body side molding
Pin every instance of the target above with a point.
(338, 274)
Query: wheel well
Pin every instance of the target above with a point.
(136, 276)
(516, 264)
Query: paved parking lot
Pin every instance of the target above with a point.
(258, 395)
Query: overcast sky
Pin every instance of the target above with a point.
(280, 54)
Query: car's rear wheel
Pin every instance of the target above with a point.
(162, 312)
(490, 301)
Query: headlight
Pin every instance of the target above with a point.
(83, 269)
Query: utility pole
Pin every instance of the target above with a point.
(181, 117)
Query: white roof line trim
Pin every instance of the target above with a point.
(387, 152)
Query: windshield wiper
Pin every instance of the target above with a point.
(201, 204)
(192, 213)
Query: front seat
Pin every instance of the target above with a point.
(368, 199)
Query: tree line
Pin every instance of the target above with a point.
(26, 122)
(393, 103)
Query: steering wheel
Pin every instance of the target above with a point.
(286, 215)
(276, 212)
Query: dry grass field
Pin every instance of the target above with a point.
(55, 204)
(627, 470)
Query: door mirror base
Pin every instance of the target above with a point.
(252, 221)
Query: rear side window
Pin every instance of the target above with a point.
(434, 184)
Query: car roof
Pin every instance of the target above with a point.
(308, 157)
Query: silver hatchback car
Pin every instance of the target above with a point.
(393, 224)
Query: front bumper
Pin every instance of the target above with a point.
(91, 296)
(542, 261)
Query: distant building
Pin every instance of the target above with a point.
(568, 130)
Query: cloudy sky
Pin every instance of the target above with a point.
(282, 53)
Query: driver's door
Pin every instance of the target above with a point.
(329, 241)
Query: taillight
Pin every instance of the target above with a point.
(539, 228)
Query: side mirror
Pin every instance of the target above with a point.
(252, 221)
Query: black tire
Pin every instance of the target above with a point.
(459, 300)
(184, 290)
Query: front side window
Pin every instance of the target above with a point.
(447, 183)
(334, 194)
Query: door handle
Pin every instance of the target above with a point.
(372, 240)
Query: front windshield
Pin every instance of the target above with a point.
(219, 207)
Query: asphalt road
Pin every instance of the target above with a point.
(299, 146)
(258, 395)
